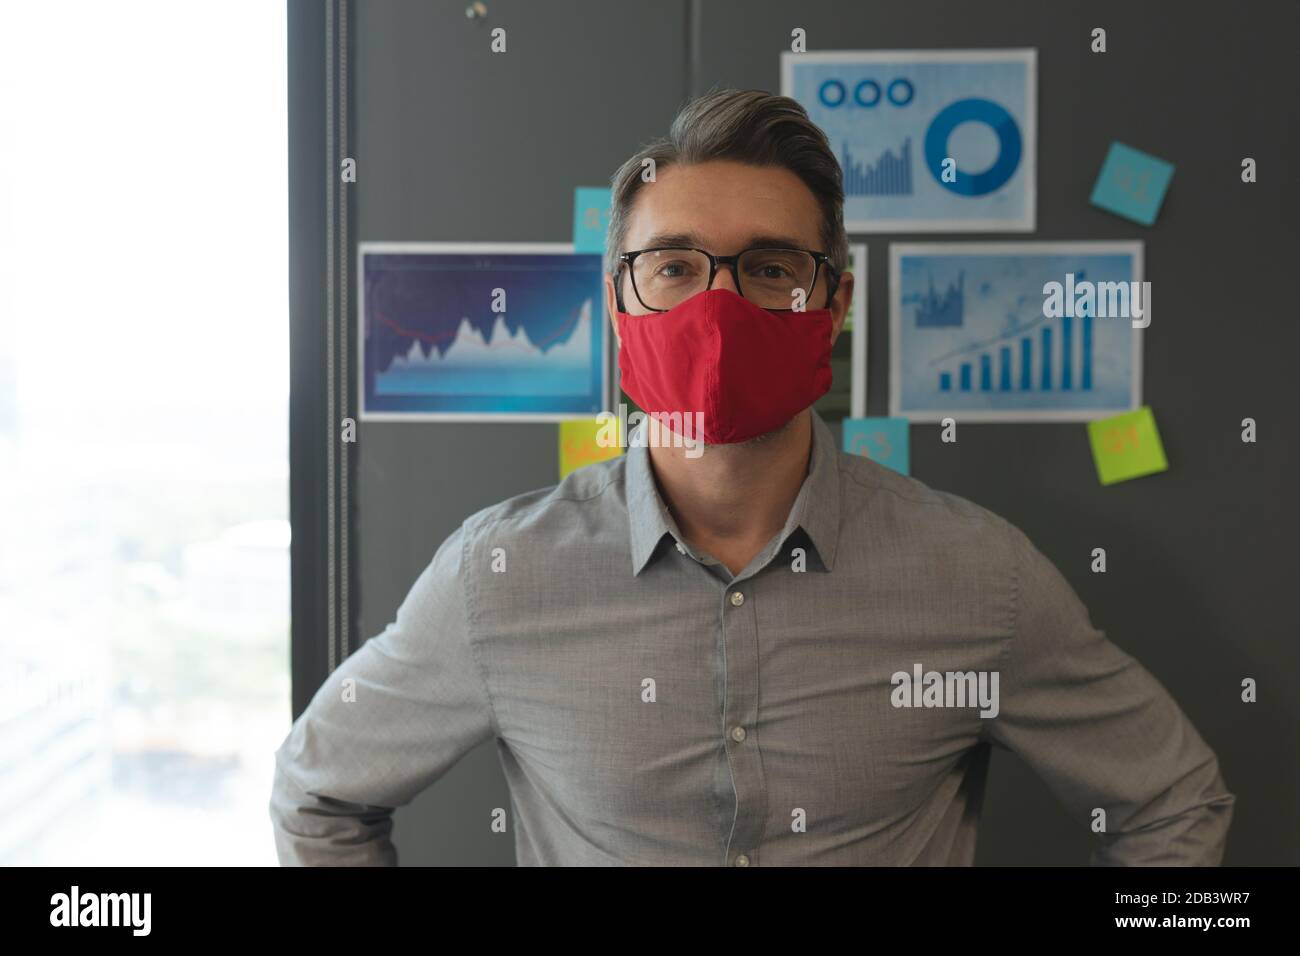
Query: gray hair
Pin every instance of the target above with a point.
(747, 126)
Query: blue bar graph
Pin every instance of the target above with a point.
(936, 310)
(890, 175)
(1086, 373)
(1048, 380)
(1047, 360)
(1067, 378)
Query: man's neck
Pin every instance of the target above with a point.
(731, 500)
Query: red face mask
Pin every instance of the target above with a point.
(747, 369)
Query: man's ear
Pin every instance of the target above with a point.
(839, 305)
(611, 306)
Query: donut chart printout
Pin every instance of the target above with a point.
(929, 140)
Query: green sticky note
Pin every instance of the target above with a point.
(1126, 446)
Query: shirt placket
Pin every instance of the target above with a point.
(740, 721)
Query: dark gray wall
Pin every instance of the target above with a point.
(455, 143)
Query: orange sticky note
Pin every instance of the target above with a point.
(580, 443)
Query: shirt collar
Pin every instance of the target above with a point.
(816, 508)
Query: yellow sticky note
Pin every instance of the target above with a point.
(580, 445)
(1126, 446)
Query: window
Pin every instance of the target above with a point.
(144, 381)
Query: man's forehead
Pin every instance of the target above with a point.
(691, 237)
(714, 203)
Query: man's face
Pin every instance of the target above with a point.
(724, 207)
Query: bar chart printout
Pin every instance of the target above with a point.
(971, 337)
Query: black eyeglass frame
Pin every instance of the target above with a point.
(819, 259)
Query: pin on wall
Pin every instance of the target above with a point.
(476, 9)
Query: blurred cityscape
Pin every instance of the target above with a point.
(144, 621)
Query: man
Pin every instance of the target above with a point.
(767, 653)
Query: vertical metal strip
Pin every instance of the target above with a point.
(693, 17)
(345, 318)
(331, 434)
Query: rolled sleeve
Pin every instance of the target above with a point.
(385, 725)
(1102, 731)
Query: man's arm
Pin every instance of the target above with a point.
(1102, 731)
(388, 722)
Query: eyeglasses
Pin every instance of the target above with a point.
(665, 277)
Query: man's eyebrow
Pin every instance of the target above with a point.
(694, 241)
(674, 239)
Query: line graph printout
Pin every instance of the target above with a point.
(479, 331)
(976, 334)
(929, 140)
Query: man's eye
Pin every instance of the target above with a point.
(671, 270)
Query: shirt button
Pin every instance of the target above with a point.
(737, 733)
(681, 549)
(742, 860)
(737, 599)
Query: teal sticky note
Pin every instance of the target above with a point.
(590, 218)
(1132, 184)
(883, 440)
(1126, 446)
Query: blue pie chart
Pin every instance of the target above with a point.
(981, 111)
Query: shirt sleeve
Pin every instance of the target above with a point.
(385, 725)
(1102, 731)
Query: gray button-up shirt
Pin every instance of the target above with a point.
(834, 703)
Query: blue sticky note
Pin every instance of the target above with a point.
(590, 217)
(1132, 184)
(883, 440)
